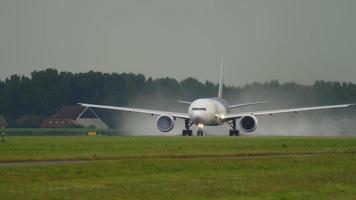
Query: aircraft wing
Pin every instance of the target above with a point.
(137, 110)
(289, 110)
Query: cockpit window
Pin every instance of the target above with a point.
(199, 109)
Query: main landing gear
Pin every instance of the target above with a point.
(187, 131)
(233, 131)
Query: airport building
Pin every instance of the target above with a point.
(3, 123)
(72, 116)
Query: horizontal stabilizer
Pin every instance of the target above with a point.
(184, 102)
(247, 104)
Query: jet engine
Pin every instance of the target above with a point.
(165, 123)
(248, 123)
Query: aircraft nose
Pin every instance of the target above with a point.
(195, 117)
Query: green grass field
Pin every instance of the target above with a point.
(178, 168)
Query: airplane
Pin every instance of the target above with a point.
(212, 112)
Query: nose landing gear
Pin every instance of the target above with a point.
(200, 130)
(233, 131)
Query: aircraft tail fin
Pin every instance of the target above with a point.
(221, 84)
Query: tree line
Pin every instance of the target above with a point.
(26, 100)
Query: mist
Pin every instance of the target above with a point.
(309, 123)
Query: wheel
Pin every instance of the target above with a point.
(234, 132)
(187, 132)
(200, 133)
(231, 133)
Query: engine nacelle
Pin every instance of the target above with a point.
(248, 123)
(165, 123)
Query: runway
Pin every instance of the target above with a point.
(23, 163)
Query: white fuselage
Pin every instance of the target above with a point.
(208, 111)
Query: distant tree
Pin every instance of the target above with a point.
(23, 99)
(30, 121)
(192, 88)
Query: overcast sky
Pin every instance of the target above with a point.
(261, 40)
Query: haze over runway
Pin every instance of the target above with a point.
(285, 40)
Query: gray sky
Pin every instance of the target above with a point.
(286, 40)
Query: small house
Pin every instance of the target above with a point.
(74, 116)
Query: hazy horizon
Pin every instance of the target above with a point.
(284, 40)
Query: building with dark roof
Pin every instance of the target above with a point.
(3, 123)
(72, 116)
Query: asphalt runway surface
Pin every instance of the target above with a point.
(24, 163)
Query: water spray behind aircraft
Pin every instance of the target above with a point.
(213, 112)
